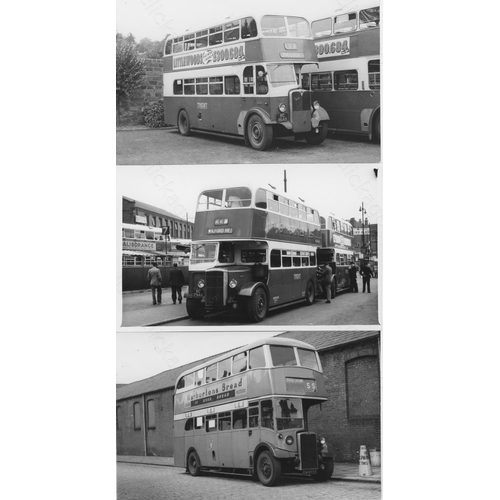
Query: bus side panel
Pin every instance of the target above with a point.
(344, 108)
(216, 114)
(179, 444)
(279, 286)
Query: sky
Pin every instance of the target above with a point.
(140, 355)
(330, 189)
(155, 18)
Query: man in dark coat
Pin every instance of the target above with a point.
(176, 282)
(353, 282)
(325, 282)
(367, 273)
(154, 276)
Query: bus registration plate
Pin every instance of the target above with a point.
(300, 385)
(282, 117)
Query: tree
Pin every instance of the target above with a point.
(130, 72)
(151, 49)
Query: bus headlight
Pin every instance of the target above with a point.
(289, 440)
(201, 284)
(233, 283)
(282, 107)
(316, 105)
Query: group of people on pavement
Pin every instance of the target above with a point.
(176, 282)
(325, 278)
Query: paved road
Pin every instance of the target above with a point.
(168, 147)
(346, 309)
(149, 482)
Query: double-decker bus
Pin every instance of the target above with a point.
(241, 78)
(253, 250)
(347, 81)
(337, 249)
(246, 412)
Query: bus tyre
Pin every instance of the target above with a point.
(268, 469)
(259, 134)
(193, 464)
(324, 472)
(317, 136)
(310, 294)
(183, 123)
(195, 308)
(376, 129)
(257, 305)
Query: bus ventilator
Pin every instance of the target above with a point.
(365, 468)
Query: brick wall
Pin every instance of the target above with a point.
(131, 110)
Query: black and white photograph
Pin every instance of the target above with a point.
(207, 416)
(239, 84)
(208, 246)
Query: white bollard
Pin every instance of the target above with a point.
(365, 468)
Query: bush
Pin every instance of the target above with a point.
(153, 115)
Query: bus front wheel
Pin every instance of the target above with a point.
(193, 464)
(325, 472)
(257, 305)
(183, 123)
(260, 135)
(195, 308)
(317, 136)
(310, 295)
(268, 469)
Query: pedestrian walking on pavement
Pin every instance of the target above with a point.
(154, 276)
(176, 282)
(353, 279)
(325, 282)
(367, 273)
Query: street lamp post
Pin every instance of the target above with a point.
(363, 212)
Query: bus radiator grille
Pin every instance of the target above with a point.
(215, 289)
(308, 451)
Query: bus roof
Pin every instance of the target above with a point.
(252, 345)
(355, 6)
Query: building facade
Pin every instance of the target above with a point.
(350, 418)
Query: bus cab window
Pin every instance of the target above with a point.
(267, 414)
(248, 27)
(275, 258)
(262, 86)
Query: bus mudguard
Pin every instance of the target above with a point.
(318, 116)
(277, 452)
(243, 118)
(248, 288)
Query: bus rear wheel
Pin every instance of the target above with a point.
(376, 129)
(259, 134)
(268, 469)
(183, 123)
(310, 293)
(317, 136)
(325, 472)
(195, 308)
(193, 464)
(257, 305)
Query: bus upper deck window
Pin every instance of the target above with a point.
(261, 198)
(344, 23)
(308, 358)
(240, 362)
(322, 28)
(168, 47)
(369, 18)
(273, 26)
(215, 37)
(248, 27)
(257, 358)
(283, 355)
(232, 31)
(238, 197)
(298, 27)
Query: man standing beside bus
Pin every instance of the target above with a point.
(367, 273)
(154, 276)
(176, 282)
(326, 282)
(353, 280)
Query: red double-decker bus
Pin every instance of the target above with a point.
(242, 78)
(347, 80)
(246, 412)
(252, 250)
